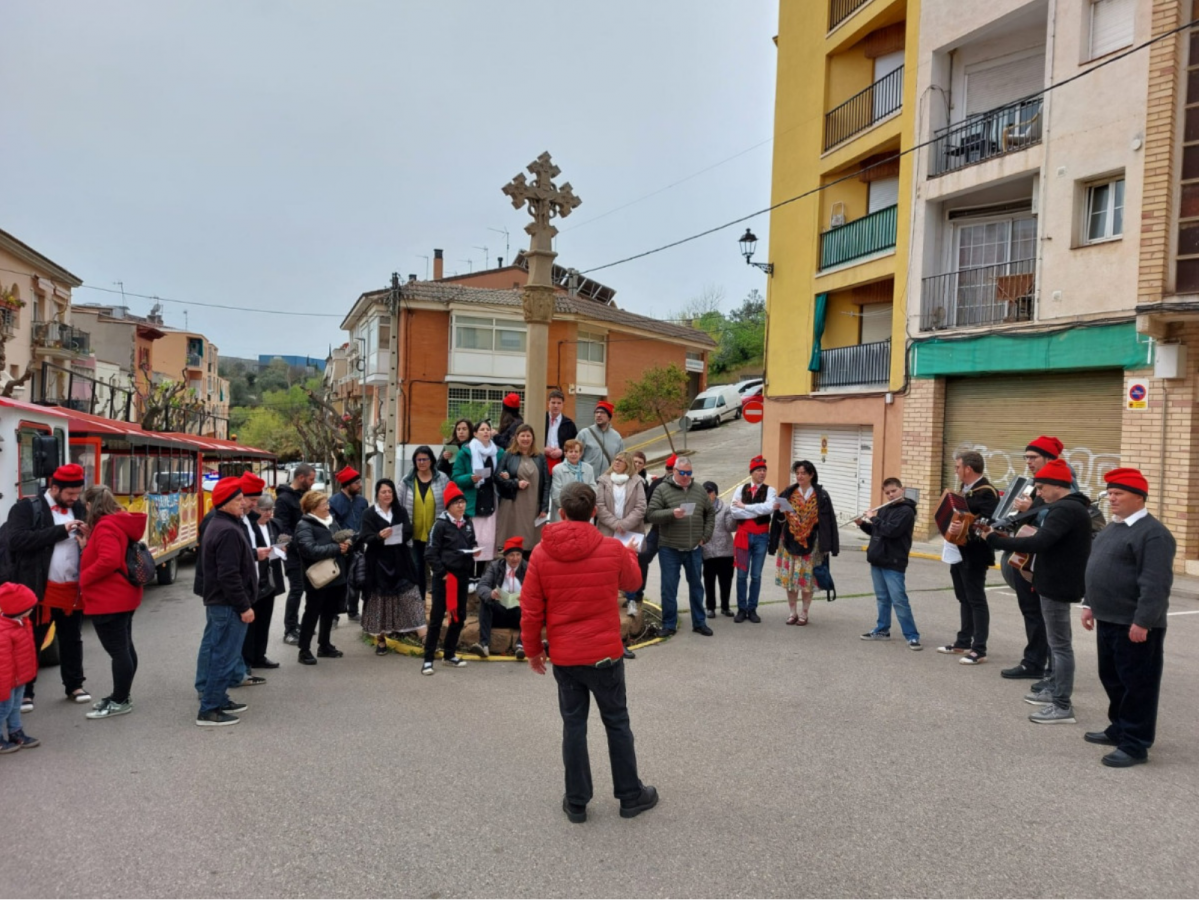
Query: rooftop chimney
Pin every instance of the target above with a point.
(438, 265)
(412, 276)
(499, 262)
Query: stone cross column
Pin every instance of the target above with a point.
(545, 202)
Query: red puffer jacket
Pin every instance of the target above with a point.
(18, 654)
(571, 588)
(102, 581)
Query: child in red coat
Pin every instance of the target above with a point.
(18, 662)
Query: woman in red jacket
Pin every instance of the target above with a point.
(108, 595)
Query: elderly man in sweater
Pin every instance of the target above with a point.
(685, 519)
(1129, 577)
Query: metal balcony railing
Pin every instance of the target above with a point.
(193, 361)
(864, 108)
(861, 237)
(987, 135)
(987, 295)
(8, 323)
(858, 366)
(53, 335)
(840, 10)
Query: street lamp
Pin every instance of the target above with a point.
(749, 243)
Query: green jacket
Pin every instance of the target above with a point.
(470, 490)
(690, 531)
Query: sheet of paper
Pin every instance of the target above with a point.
(687, 508)
(950, 553)
(507, 600)
(625, 536)
(396, 537)
(278, 551)
(472, 551)
(540, 520)
(485, 472)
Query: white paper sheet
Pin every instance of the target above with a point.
(396, 537)
(278, 551)
(472, 552)
(507, 600)
(950, 553)
(687, 508)
(485, 472)
(625, 536)
(540, 520)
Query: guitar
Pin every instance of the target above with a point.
(1022, 561)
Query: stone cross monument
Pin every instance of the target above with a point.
(545, 202)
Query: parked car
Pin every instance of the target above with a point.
(752, 397)
(749, 386)
(713, 406)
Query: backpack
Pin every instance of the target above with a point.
(140, 568)
(8, 566)
(824, 580)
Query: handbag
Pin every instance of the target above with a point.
(358, 571)
(322, 573)
(824, 580)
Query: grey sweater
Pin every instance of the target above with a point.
(1130, 573)
(721, 543)
(690, 531)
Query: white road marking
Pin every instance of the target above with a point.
(1185, 612)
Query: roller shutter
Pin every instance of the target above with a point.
(843, 456)
(990, 86)
(999, 416)
(585, 412)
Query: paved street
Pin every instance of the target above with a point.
(790, 761)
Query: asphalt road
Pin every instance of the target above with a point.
(790, 761)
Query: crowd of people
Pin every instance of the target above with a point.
(473, 517)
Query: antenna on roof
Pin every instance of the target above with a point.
(426, 259)
(486, 254)
(504, 232)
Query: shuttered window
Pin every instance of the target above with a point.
(990, 85)
(883, 193)
(1111, 25)
(998, 417)
(843, 457)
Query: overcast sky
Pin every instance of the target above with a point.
(290, 154)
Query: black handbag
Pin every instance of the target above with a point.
(824, 580)
(358, 571)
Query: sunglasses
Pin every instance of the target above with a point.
(686, 473)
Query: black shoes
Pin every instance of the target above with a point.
(647, 800)
(712, 613)
(727, 612)
(629, 654)
(1117, 759)
(666, 632)
(264, 663)
(576, 814)
(740, 617)
(306, 658)
(1098, 737)
(1020, 671)
(291, 637)
(753, 617)
(703, 629)
(329, 652)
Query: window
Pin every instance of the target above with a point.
(29, 482)
(1111, 26)
(1105, 211)
(462, 396)
(489, 335)
(592, 347)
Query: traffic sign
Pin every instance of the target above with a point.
(752, 412)
(1137, 396)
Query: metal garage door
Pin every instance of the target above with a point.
(843, 456)
(585, 412)
(998, 417)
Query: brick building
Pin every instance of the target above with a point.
(460, 343)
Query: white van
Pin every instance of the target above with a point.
(713, 406)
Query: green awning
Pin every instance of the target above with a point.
(1081, 347)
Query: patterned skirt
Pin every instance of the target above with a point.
(387, 613)
(794, 573)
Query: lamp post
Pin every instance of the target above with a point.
(749, 243)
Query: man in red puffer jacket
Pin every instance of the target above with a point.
(18, 662)
(571, 588)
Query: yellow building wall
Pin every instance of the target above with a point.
(807, 80)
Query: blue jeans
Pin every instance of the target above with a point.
(890, 591)
(240, 669)
(224, 634)
(10, 710)
(758, 545)
(672, 561)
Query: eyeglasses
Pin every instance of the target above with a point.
(423, 459)
(686, 473)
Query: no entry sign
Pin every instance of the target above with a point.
(752, 412)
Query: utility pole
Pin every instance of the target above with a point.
(393, 380)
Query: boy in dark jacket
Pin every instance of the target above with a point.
(890, 530)
(449, 555)
(1063, 546)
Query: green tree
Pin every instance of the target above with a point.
(474, 410)
(275, 377)
(660, 395)
(743, 339)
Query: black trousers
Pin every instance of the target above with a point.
(115, 631)
(645, 556)
(68, 626)
(321, 605)
(253, 648)
(437, 614)
(351, 600)
(1036, 652)
(719, 568)
(422, 570)
(576, 685)
(296, 586)
(970, 587)
(496, 615)
(1132, 676)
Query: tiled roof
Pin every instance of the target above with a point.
(439, 292)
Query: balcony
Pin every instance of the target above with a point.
(864, 108)
(987, 295)
(8, 323)
(58, 336)
(194, 361)
(986, 136)
(861, 237)
(840, 10)
(864, 365)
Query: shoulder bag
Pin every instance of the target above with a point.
(322, 573)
